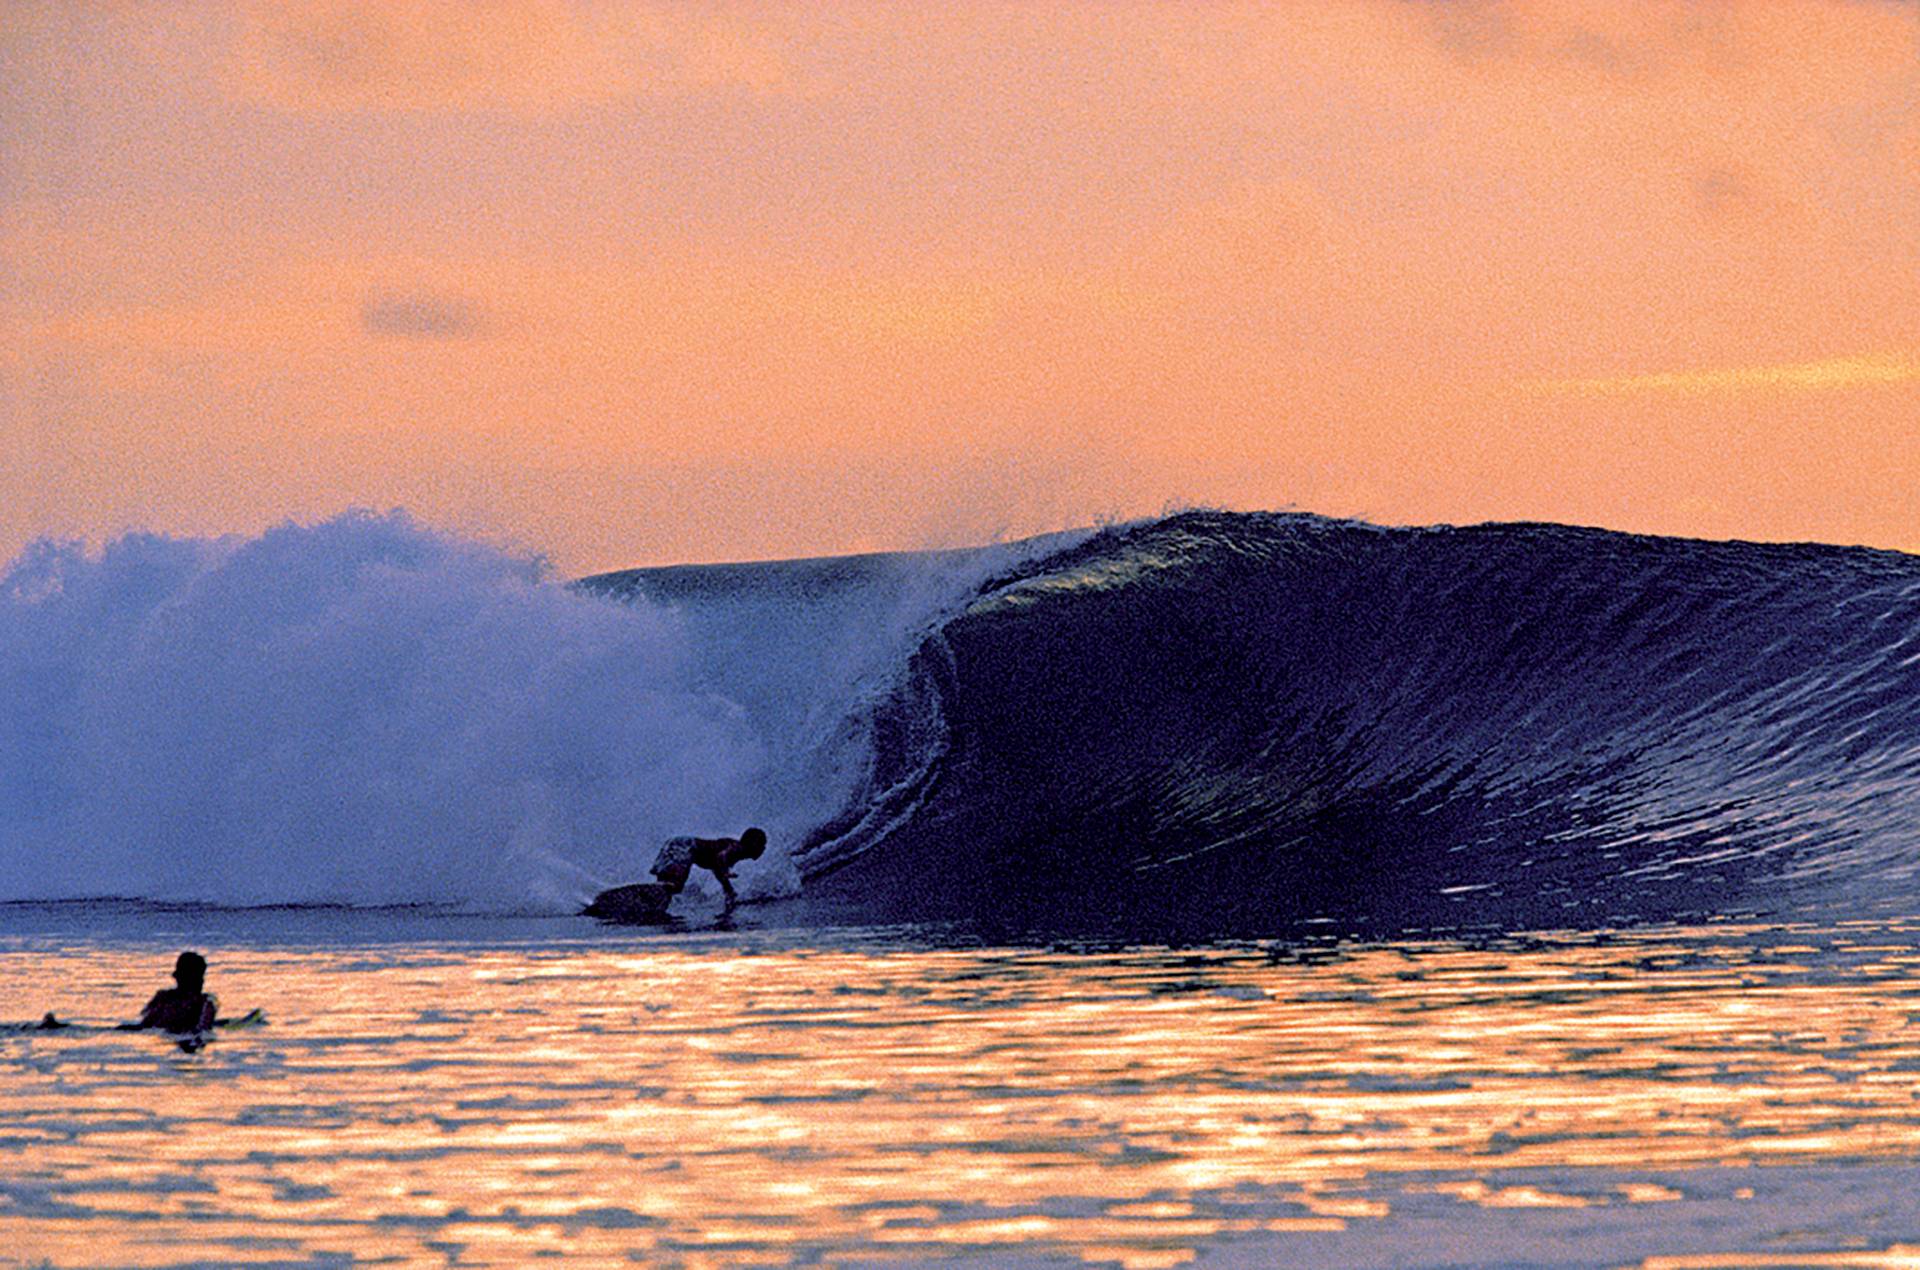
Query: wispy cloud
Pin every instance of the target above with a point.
(1833, 372)
(1626, 43)
(421, 316)
(437, 55)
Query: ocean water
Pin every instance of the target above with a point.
(435, 1090)
(1217, 890)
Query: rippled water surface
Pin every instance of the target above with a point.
(465, 1092)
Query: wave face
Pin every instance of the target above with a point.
(1234, 722)
(366, 711)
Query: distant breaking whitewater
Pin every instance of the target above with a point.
(1224, 723)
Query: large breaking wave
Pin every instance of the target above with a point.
(1238, 721)
(1220, 722)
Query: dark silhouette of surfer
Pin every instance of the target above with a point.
(717, 855)
(186, 1010)
(185, 1007)
(647, 901)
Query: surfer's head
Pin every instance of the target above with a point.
(752, 843)
(190, 971)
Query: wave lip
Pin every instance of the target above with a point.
(1245, 719)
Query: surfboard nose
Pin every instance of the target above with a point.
(640, 902)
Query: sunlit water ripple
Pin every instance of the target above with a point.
(480, 1094)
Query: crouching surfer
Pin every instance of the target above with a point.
(678, 857)
(717, 855)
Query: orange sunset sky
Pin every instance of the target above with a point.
(631, 284)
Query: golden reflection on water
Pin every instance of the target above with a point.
(710, 1103)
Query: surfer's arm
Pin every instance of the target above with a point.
(209, 1009)
(146, 1015)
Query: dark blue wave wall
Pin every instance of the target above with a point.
(1238, 722)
